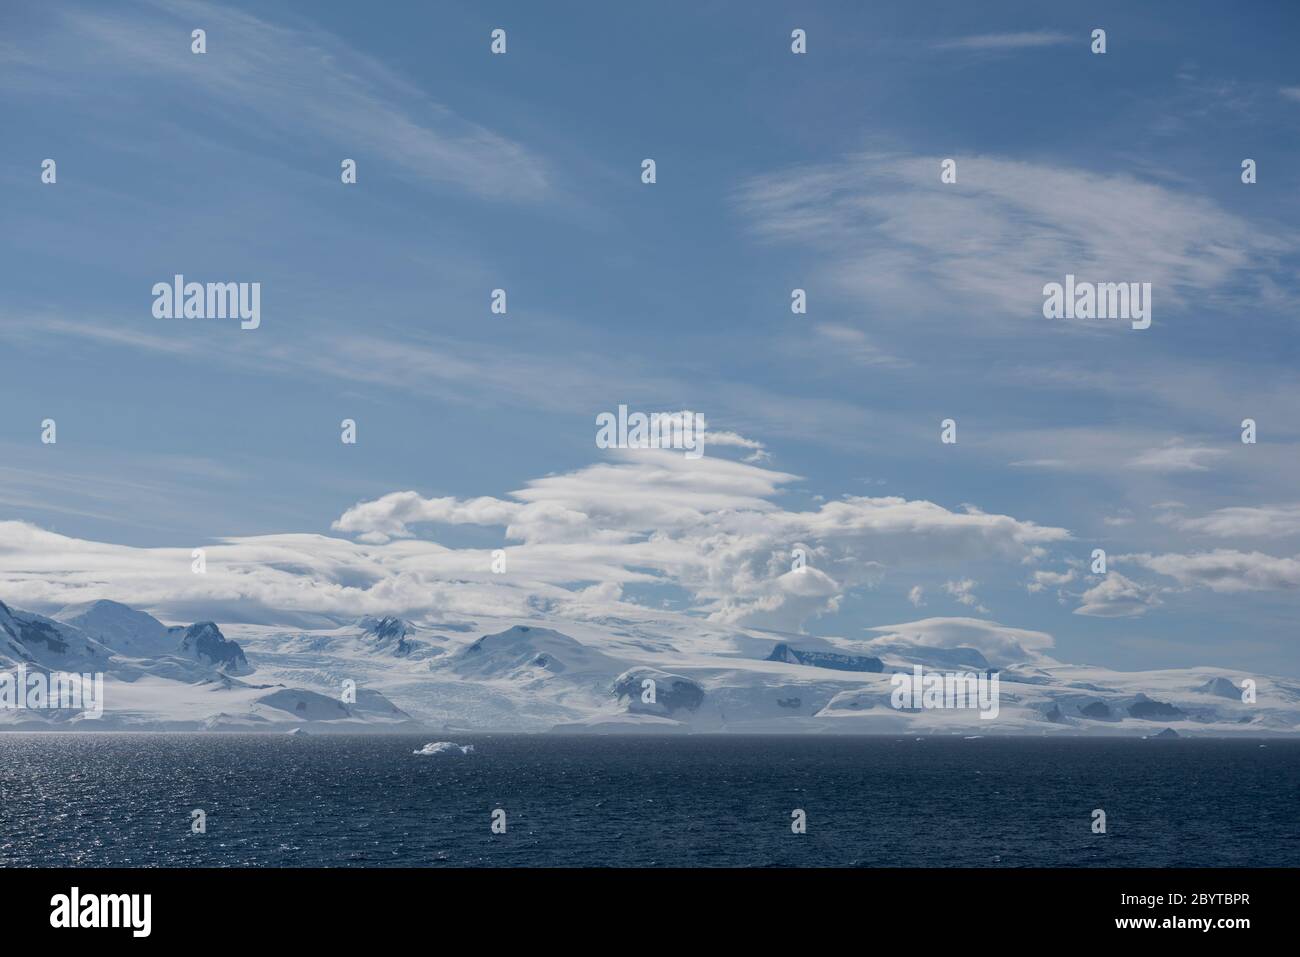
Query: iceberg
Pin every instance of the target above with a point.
(445, 747)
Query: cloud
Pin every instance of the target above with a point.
(710, 528)
(916, 596)
(296, 80)
(1262, 521)
(890, 234)
(757, 450)
(1177, 457)
(1117, 597)
(268, 578)
(1040, 464)
(1087, 449)
(1000, 644)
(392, 516)
(488, 374)
(1001, 42)
(853, 344)
(1290, 92)
(1224, 570)
(964, 592)
(1049, 579)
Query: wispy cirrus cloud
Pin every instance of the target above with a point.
(1005, 42)
(1177, 456)
(1255, 521)
(854, 345)
(293, 78)
(891, 234)
(1090, 449)
(1224, 570)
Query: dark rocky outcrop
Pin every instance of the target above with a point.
(204, 641)
(1098, 710)
(1148, 709)
(826, 659)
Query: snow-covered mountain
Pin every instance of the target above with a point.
(158, 677)
(131, 633)
(41, 642)
(137, 635)
(203, 642)
(657, 673)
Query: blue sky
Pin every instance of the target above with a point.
(775, 171)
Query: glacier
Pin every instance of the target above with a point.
(588, 675)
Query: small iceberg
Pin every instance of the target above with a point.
(445, 747)
(297, 732)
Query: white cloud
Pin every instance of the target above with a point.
(1040, 464)
(293, 78)
(916, 596)
(1093, 450)
(1177, 457)
(1000, 644)
(1050, 579)
(891, 234)
(709, 527)
(853, 344)
(1263, 521)
(991, 42)
(1224, 570)
(1117, 597)
(757, 450)
(964, 592)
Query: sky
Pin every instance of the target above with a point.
(522, 171)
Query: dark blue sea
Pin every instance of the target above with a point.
(126, 800)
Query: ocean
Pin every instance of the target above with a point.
(686, 801)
